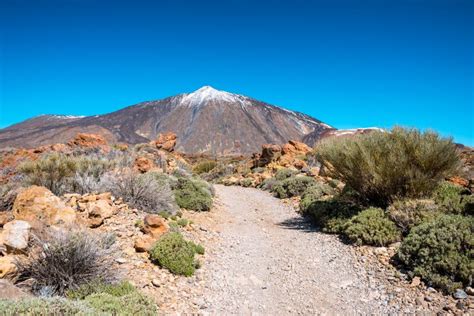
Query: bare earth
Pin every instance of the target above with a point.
(269, 261)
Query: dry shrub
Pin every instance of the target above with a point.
(150, 192)
(67, 259)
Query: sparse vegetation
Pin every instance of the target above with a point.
(175, 253)
(371, 227)
(383, 166)
(440, 251)
(193, 194)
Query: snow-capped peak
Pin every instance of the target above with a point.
(208, 93)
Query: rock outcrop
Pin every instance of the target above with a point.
(38, 206)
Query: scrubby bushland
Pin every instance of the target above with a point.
(176, 254)
(95, 298)
(116, 289)
(134, 303)
(314, 193)
(150, 192)
(44, 306)
(441, 251)
(204, 166)
(371, 227)
(68, 259)
(53, 171)
(268, 184)
(89, 171)
(411, 212)
(116, 299)
(284, 174)
(292, 186)
(61, 173)
(382, 166)
(193, 194)
(8, 193)
(331, 215)
(451, 198)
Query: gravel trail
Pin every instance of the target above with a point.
(269, 261)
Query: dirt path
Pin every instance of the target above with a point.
(268, 261)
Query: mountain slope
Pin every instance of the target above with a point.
(206, 120)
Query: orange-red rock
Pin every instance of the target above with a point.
(154, 225)
(83, 140)
(37, 205)
(166, 141)
(143, 164)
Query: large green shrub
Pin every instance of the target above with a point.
(331, 215)
(193, 194)
(451, 198)
(175, 253)
(441, 251)
(382, 166)
(371, 227)
(115, 289)
(292, 186)
(412, 212)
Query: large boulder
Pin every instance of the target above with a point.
(38, 206)
(269, 154)
(15, 236)
(166, 141)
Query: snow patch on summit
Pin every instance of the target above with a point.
(206, 93)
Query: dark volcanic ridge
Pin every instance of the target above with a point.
(205, 121)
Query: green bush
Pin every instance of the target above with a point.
(204, 166)
(268, 184)
(371, 227)
(53, 171)
(97, 286)
(182, 222)
(175, 253)
(330, 215)
(451, 197)
(134, 303)
(314, 193)
(193, 194)
(246, 182)
(382, 166)
(44, 307)
(293, 186)
(412, 212)
(441, 251)
(283, 174)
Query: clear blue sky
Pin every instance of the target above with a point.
(348, 63)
